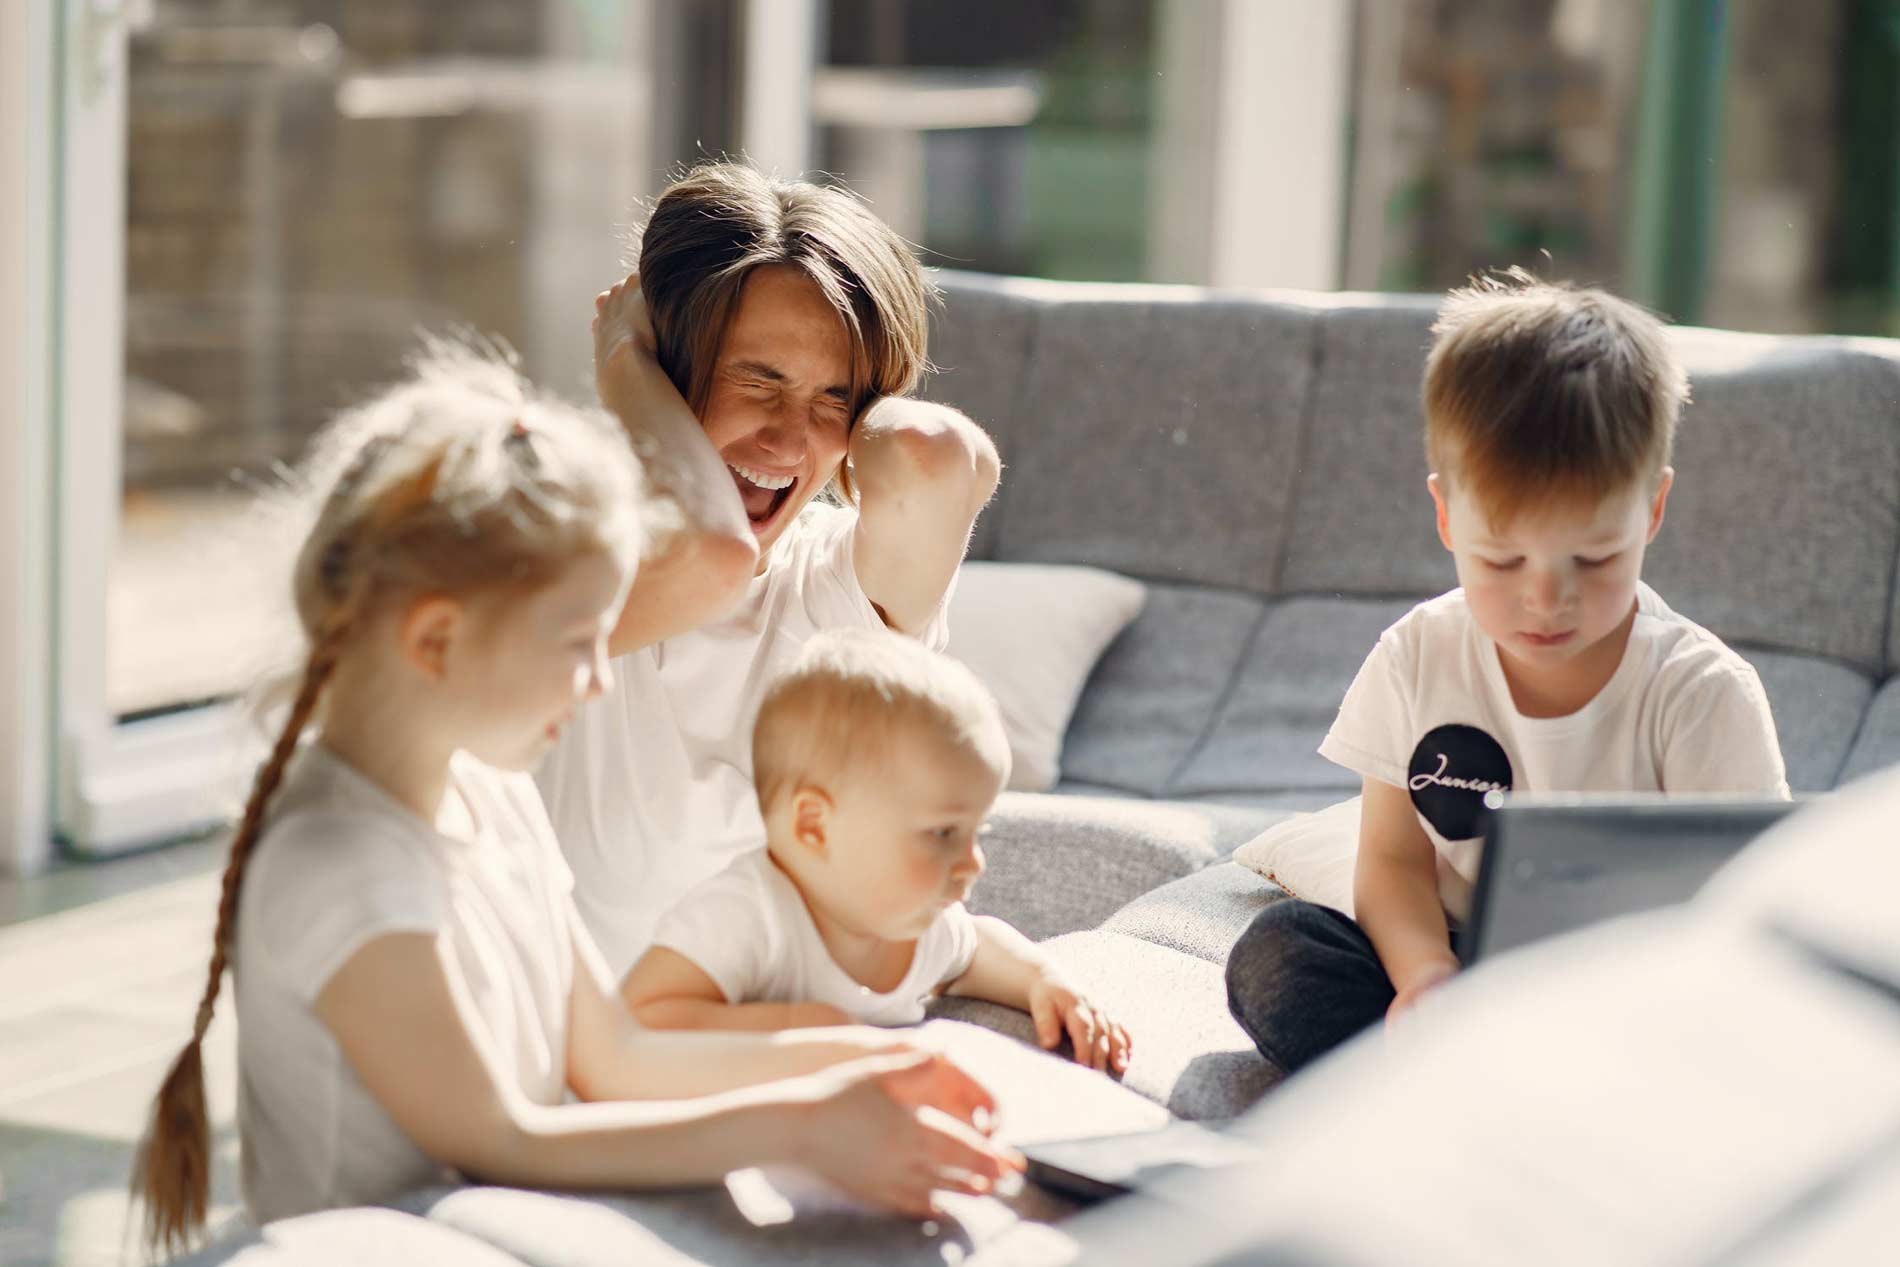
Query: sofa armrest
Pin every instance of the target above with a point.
(1059, 863)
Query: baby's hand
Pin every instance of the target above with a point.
(1056, 1006)
(1428, 979)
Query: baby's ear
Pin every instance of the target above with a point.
(811, 817)
(428, 630)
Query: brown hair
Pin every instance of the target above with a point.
(1539, 390)
(713, 226)
(455, 481)
(849, 694)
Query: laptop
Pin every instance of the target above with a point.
(1556, 863)
(1102, 1166)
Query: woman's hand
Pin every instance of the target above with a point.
(895, 1129)
(1056, 1006)
(620, 322)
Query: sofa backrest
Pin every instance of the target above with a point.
(1271, 443)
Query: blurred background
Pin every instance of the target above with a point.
(308, 182)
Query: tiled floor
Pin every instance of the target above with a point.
(100, 968)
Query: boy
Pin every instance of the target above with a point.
(876, 762)
(1549, 418)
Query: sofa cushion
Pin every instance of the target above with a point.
(1160, 434)
(1201, 914)
(1150, 699)
(1878, 745)
(1056, 863)
(1033, 633)
(980, 340)
(1362, 519)
(1265, 736)
(1785, 517)
(1187, 1052)
(1818, 707)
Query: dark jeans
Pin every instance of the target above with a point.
(1302, 980)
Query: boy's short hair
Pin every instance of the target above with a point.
(850, 694)
(1539, 390)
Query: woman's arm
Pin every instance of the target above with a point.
(1395, 895)
(923, 472)
(404, 1021)
(697, 567)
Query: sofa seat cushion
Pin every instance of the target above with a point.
(1879, 743)
(1818, 707)
(1058, 863)
(1187, 1054)
(1201, 914)
(1265, 735)
(1147, 705)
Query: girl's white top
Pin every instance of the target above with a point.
(340, 863)
(650, 788)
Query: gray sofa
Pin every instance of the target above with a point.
(1256, 460)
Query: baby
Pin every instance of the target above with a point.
(876, 762)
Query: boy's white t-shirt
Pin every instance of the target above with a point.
(650, 788)
(749, 929)
(342, 862)
(1430, 711)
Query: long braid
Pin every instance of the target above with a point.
(173, 1171)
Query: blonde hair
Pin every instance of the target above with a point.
(458, 480)
(714, 226)
(1540, 391)
(847, 698)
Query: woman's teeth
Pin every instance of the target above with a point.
(760, 478)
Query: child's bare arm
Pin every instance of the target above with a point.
(666, 990)
(697, 567)
(1395, 894)
(1009, 969)
(412, 1035)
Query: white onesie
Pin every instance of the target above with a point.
(749, 930)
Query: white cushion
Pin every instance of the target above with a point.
(1311, 856)
(1033, 632)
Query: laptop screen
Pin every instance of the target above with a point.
(1551, 865)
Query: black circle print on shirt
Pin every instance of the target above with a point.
(1452, 768)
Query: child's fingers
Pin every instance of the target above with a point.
(1121, 1046)
(1048, 1023)
(1082, 1035)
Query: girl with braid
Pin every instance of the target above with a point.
(416, 995)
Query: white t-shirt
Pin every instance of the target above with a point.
(650, 788)
(749, 930)
(1431, 712)
(340, 863)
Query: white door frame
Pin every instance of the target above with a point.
(27, 60)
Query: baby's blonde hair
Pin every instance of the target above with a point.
(1537, 391)
(847, 698)
(458, 480)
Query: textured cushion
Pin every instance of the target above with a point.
(1878, 746)
(1033, 632)
(1362, 521)
(1818, 707)
(1265, 738)
(1187, 1053)
(980, 341)
(1160, 435)
(1785, 516)
(1151, 698)
(1059, 863)
(1201, 914)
